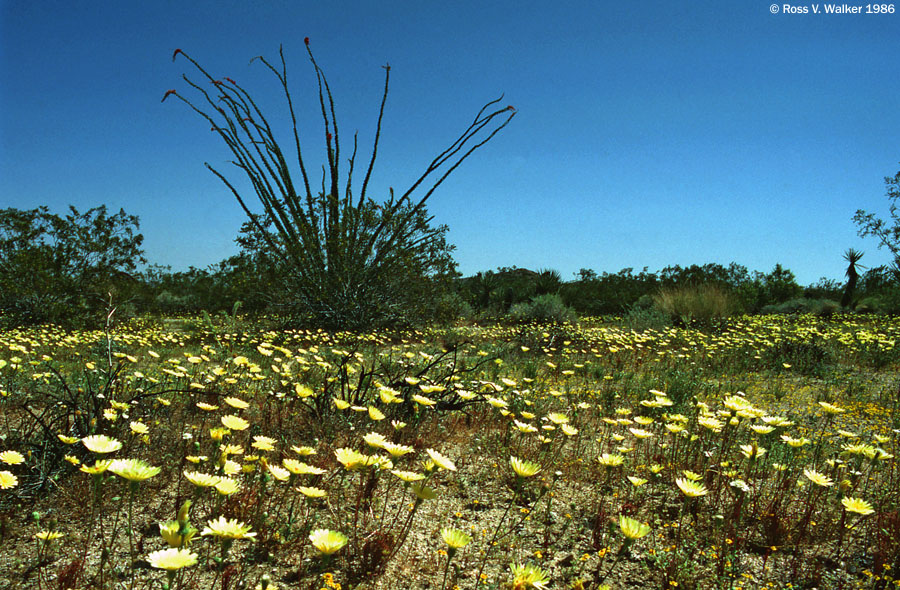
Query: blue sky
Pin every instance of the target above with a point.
(648, 132)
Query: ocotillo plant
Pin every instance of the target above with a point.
(347, 259)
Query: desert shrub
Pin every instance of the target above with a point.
(643, 315)
(826, 308)
(65, 269)
(801, 305)
(451, 307)
(886, 301)
(543, 308)
(696, 305)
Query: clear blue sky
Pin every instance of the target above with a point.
(648, 132)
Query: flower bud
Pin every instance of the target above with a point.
(183, 513)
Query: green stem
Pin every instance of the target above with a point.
(132, 491)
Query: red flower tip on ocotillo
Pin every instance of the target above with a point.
(510, 108)
(247, 119)
(217, 82)
(306, 40)
(166, 95)
(328, 136)
(174, 55)
(230, 80)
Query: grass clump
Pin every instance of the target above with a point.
(696, 305)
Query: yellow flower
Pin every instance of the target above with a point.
(227, 486)
(632, 528)
(529, 576)
(48, 535)
(524, 427)
(279, 473)
(237, 403)
(231, 450)
(440, 460)
(831, 409)
(99, 467)
(422, 400)
(374, 439)
(818, 478)
(568, 429)
(228, 529)
(139, 428)
(752, 451)
(234, 422)
(524, 468)
(69, 440)
(8, 480)
(857, 505)
(691, 489)
(327, 541)
(311, 492)
(263, 443)
(207, 407)
(133, 469)
(353, 460)
(636, 481)
(396, 450)
(423, 492)
(170, 532)
(710, 422)
(202, 480)
(795, 442)
(608, 460)
(100, 443)
(761, 428)
(300, 468)
(218, 433)
(375, 413)
(172, 559)
(408, 476)
(232, 468)
(455, 538)
(558, 418)
(12, 457)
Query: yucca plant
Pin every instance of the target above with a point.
(346, 260)
(852, 257)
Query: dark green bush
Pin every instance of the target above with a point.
(800, 305)
(543, 308)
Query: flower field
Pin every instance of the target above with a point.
(188, 453)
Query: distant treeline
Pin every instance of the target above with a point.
(493, 294)
(592, 293)
(77, 268)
